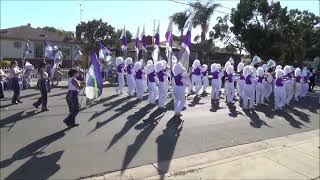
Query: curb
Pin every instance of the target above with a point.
(194, 162)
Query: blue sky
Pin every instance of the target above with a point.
(66, 15)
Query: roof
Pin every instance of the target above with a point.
(29, 33)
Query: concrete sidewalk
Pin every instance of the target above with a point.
(291, 157)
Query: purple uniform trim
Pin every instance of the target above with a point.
(248, 79)
(129, 69)
(279, 82)
(229, 78)
(197, 71)
(161, 75)
(139, 74)
(215, 74)
(151, 77)
(120, 68)
(178, 80)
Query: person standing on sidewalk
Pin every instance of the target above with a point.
(15, 74)
(72, 98)
(43, 89)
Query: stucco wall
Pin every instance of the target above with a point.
(7, 49)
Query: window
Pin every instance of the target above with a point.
(38, 50)
(66, 52)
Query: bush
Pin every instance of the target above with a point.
(5, 63)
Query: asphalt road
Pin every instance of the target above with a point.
(117, 132)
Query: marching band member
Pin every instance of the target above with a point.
(152, 84)
(196, 76)
(248, 88)
(162, 75)
(139, 73)
(130, 78)
(121, 83)
(179, 87)
(217, 74)
(269, 83)
(27, 74)
(15, 74)
(144, 76)
(2, 79)
(279, 90)
(43, 81)
(205, 79)
(241, 80)
(305, 85)
(229, 84)
(288, 83)
(260, 87)
(72, 98)
(298, 84)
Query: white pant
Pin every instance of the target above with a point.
(305, 87)
(153, 92)
(121, 83)
(240, 84)
(248, 94)
(163, 93)
(131, 84)
(205, 83)
(145, 82)
(289, 93)
(179, 98)
(216, 85)
(298, 92)
(267, 90)
(139, 88)
(260, 88)
(198, 83)
(229, 88)
(279, 97)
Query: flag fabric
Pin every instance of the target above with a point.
(123, 39)
(77, 54)
(156, 51)
(48, 50)
(136, 45)
(169, 35)
(184, 52)
(27, 49)
(104, 53)
(93, 78)
(143, 39)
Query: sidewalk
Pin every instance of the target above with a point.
(291, 157)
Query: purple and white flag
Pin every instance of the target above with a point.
(169, 36)
(136, 45)
(184, 52)
(123, 39)
(143, 40)
(156, 51)
(104, 53)
(77, 54)
(48, 50)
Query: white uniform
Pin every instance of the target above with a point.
(139, 73)
(288, 84)
(152, 84)
(163, 86)
(304, 85)
(260, 87)
(241, 81)
(130, 77)
(120, 68)
(196, 76)
(205, 79)
(229, 84)
(248, 88)
(279, 90)
(216, 81)
(179, 88)
(298, 84)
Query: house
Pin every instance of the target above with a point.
(12, 41)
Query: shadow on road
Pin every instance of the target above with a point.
(147, 126)
(34, 148)
(109, 106)
(167, 142)
(294, 123)
(13, 119)
(126, 107)
(38, 167)
(131, 121)
(256, 122)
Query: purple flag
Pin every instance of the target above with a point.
(143, 40)
(123, 39)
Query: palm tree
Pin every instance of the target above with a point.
(180, 19)
(203, 13)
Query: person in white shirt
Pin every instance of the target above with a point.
(15, 74)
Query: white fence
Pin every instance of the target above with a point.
(34, 74)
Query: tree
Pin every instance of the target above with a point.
(203, 13)
(274, 32)
(88, 33)
(221, 31)
(180, 19)
(62, 32)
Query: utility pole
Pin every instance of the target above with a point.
(81, 10)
